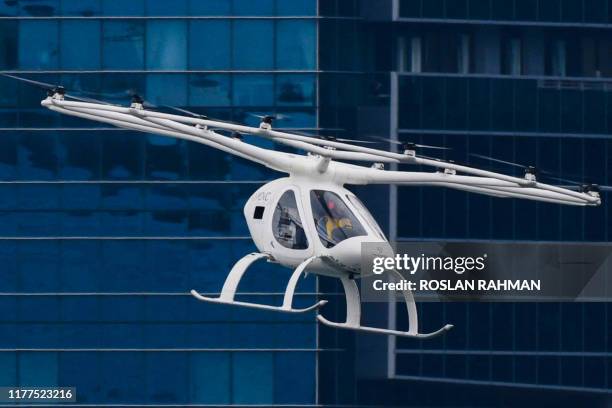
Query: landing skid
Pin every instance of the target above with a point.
(353, 301)
(353, 314)
(228, 292)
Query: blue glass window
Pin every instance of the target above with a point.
(209, 90)
(295, 90)
(295, 44)
(38, 44)
(210, 378)
(39, 8)
(296, 7)
(209, 44)
(38, 369)
(166, 8)
(81, 8)
(80, 44)
(123, 45)
(253, 44)
(123, 8)
(253, 90)
(252, 380)
(166, 45)
(167, 89)
(210, 8)
(8, 44)
(253, 8)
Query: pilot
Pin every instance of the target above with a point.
(334, 223)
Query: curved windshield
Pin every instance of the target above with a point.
(286, 223)
(334, 220)
(361, 208)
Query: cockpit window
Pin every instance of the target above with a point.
(366, 214)
(334, 220)
(286, 223)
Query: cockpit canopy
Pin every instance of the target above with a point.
(333, 219)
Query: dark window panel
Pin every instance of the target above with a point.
(166, 8)
(80, 44)
(252, 375)
(526, 10)
(296, 7)
(209, 90)
(167, 89)
(123, 44)
(38, 44)
(595, 11)
(39, 8)
(479, 104)
(503, 10)
(295, 90)
(433, 9)
(119, 8)
(253, 8)
(457, 9)
(525, 105)
(549, 10)
(209, 44)
(479, 10)
(253, 44)
(166, 45)
(411, 8)
(210, 386)
(8, 44)
(549, 110)
(295, 44)
(502, 108)
(571, 10)
(86, 8)
(434, 101)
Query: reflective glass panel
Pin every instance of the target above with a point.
(253, 44)
(38, 44)
(287, 223)
(123, 45)
(334, 220)
(166, 44)
(209, 44)
(295, 44)
(80, 44)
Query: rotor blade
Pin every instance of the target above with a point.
(432, 147)
(43, 85)
(564, 180)
(400, 143)
(331, 138)
(50, 87)
(278, 116)
(195, 115)
(493, 159)
(339, 139)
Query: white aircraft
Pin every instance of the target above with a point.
(308, 220)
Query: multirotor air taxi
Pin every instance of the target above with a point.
(308, 220)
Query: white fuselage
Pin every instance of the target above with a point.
(293, 219)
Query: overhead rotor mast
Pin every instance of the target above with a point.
(328, 154)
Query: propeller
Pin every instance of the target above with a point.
(408, 145)
(332, 138)
(584, 187)
(527, 169)
(270, 118)
(53, 89)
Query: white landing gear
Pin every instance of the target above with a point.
(233, 279)
(353, 301)
(353, 315)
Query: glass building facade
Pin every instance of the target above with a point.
(103, 232)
